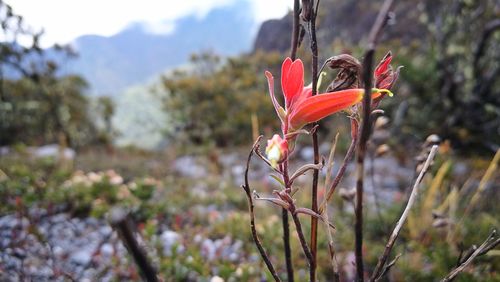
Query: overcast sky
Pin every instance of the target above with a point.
(64, 20)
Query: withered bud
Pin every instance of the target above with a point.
(440, 223)
(382, 150)
(381, 122)
(347, 194)
(421, 165)
(420, 158)
(349, 72)
(437, 214)
(344, 61)
(307, 10)
(432, 139)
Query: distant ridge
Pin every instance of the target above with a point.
(134, 56)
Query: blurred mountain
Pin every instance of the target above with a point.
(345, 20)
(131, 57)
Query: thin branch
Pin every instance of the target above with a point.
(341, 172)
(365, 133)
(330, 163)
(295, 30)
(119, 221)
(388, 266)
(314, 193)
(286, 244)
(255, 237)
(378, 272)
(265, 160)
(490, 247)
(314, 207)
(302, 239)
(331, 248)
(491, 242)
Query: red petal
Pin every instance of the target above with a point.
(306, 93)
(292, 79)
(320, 106)
(382, 66)
(270, 83)
(285, 69)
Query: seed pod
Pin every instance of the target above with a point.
(382, 150)
(349, 72)
(347, 194)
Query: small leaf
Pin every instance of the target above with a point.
(312, 213)
(303, 169)
(279, 180)
(276, 201)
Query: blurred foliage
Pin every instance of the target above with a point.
(448, 86)
(36, 105)
(450, 80)
(17, 56)
(105, 109)
(453, 77)
(212, 101)
(37, 112)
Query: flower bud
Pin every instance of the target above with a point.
(276, 150)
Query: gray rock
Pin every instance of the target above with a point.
(105, 230)
(107, 250)
(208, 249)
(82, 257)
(52, 150)
(169, 239)
(188, 167)
(307, 153)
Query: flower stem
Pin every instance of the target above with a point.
(314, 190)
(284, 212)
(295, 30)
(302, 239)
(286, 226)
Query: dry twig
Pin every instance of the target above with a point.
(119, 221)
(342, 169)
(379, 269)
(490, 243)
(365, 133)
(255, 237)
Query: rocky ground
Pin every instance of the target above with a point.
(42, 247)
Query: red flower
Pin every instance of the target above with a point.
(385, 76)
(320, 106)
(300, 107)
